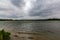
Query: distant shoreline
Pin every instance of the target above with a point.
(31, 20)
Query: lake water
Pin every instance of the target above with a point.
(50, 29)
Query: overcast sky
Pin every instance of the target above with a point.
(29, 9)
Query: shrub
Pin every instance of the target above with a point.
(4, 35)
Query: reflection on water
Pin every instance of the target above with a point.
(45, 30)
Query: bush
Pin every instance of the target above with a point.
(4, 35)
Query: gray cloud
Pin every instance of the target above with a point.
(43, 9)
(29, 8)
(17, 3)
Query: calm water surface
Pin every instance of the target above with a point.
(48, 29)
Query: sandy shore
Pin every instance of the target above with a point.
(15, 35)
(30, 36)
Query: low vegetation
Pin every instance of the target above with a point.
(4, 35)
